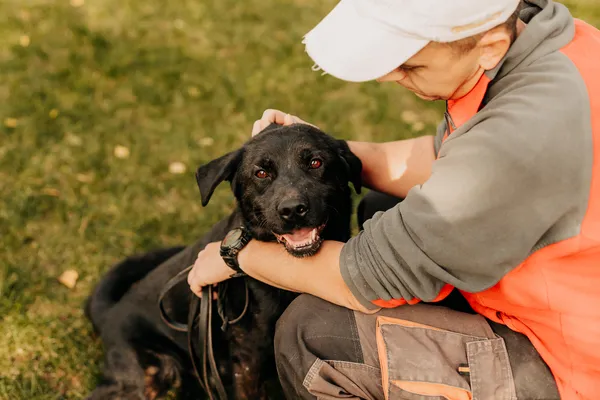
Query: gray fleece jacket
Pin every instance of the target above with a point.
(510, 180)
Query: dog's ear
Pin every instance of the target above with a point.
(352, 163)
(210, 175)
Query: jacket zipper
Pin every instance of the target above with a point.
(450, 127)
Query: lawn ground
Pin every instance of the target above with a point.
(103, 103)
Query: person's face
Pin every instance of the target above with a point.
(440, 72)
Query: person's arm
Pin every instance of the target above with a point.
(318, 275)
(395, 167)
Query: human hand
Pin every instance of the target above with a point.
(271, 116)
(209, 269)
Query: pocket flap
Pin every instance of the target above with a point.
(491, 375)
(423, 362)
(421, 359)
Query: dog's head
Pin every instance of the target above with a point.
(291, 185)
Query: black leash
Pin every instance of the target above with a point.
(200, 315)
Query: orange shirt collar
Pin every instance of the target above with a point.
(461, 110)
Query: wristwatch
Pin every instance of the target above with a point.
(235, 240)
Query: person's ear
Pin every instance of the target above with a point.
(493, 46)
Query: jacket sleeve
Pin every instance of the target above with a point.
(493, 194)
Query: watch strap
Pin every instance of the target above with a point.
(229, 253)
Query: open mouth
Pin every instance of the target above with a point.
(302, 242)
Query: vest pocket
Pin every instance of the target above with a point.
(421, 362)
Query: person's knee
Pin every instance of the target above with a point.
(294, 322)
(292, 357)
(373, 202)
(312, 327)
(286, 325)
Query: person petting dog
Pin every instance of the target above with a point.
(501, 206)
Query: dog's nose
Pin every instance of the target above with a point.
(291, 209)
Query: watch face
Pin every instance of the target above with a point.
(232, 237)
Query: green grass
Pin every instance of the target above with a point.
(171, 81)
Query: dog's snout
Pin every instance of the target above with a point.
(293, 208)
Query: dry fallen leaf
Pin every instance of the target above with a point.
(193, 91)
(418, 126)
(51, 192)
(24, 15)
(69, 278)
(206, 141)
(121, 152)
(73, 140)
(76, 382)
(409, 116)
(24, 40)
(177, 168)
(10, 122)
(85, 178)
(179, 24)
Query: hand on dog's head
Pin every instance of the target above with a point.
(287, 180)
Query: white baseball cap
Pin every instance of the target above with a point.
(362, 40)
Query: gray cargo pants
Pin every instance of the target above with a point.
(425, 352)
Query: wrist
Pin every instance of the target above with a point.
(244, 255)
(235, 241)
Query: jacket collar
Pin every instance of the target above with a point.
(550, 27)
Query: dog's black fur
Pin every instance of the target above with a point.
(143, 357)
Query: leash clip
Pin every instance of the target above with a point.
(224, 324)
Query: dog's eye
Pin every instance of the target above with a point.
(315, 163)
(261, 174)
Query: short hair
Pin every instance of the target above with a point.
(467, 44)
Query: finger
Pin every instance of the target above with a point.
(190, 278)
(256, 128)
(273, 116)
(192, 282)
(263, 124)
(197, 290)
(292, 119)
(289, 119)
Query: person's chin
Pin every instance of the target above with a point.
(427, 97)
(421, 95)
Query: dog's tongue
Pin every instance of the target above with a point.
(299, 236)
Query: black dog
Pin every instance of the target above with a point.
(291, 186)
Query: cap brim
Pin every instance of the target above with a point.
(356, 48)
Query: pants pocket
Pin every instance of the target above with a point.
(421, 362)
